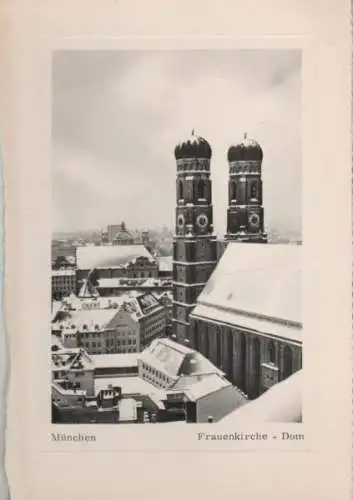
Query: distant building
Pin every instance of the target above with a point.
(152, 319)
(72, 369)
(100, 331)
(63, 283)
(117, 234)
(165, 362)
(90, 413)
(123, 324)
(210, 398)
(110, 287)
(115, 261)
(62, 249)
(123, 236)
(145, 238)
(166, 299)
(63, 262)
(193, 387)
(107, 407)
(104, 236)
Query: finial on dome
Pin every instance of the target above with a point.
(193, 132)
(245, 135)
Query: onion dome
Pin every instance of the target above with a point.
(247, 150)
(194, 147)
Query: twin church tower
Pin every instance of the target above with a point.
(195, 245)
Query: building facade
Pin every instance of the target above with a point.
(253, 361)
(125, 324)
(115, 261)
(245, 214)
(63, 283)
(111, 287)
(72, 369)
(194, 247)
(248, 318)
(168, 364)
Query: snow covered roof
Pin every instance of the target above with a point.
(55, 341)
(164, 357)
(206, 386)
(63, 272)
(115, 360)
(289, 332)
(128, 385)
(281, 403)
(175, 359)
(185, 381)
(106, 256)
(71, 359)
(88, 318)
(257, 281)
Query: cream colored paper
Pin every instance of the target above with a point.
(130, 461)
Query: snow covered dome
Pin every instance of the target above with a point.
(247, 150)
(193, 147)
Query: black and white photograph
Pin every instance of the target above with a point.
(176, 252)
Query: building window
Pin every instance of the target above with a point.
(218, 349)
(234, 190)
(271, 352)
(287, 362)
(253, 190)
(201, 189)
(181, 190)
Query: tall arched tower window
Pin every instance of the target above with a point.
(253, 189)
(234, 190)
(271, 352)
(181, 190)
(287, 362)
(201, 189)
(206, 344)
(218, 349)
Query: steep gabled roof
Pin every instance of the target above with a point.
(105, 256)
(255, 283)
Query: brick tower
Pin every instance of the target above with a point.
(194, 247)
(245, 215)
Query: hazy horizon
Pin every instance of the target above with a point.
(117, 116)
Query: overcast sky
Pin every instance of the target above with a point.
(118, 115)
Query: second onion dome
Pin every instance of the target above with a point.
(246, 150)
